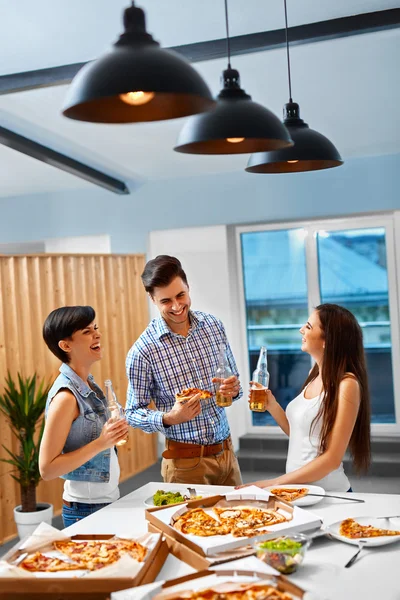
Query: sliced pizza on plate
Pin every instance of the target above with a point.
(289, 494)
(351, 529)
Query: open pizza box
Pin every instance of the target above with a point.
(17, 582)
(222, 580)
(163, 519)
(196, 560)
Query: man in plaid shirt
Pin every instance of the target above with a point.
(179, 350)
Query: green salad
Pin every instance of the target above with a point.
(162, 498)
(283, 554)
(281, 545)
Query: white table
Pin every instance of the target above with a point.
(375, 575)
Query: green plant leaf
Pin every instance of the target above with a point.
(23, 405)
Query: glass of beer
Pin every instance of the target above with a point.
(258, 397)
(221, 400)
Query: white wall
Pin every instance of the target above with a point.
(83, 244)
(206, 258)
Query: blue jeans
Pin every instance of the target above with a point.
(349, 490)
(79, 510)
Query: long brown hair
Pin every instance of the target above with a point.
(344, 353)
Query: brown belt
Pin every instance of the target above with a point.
(66, 503)
(184, 450)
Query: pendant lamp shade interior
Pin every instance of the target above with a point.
(311, 151)
(136, 81)
(236, 125)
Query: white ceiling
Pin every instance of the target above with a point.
(45, 33)
(347, 88)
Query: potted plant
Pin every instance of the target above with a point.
(24, 407)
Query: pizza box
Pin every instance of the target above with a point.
(196, 560)
(56, 586)
(174, 588)
(298, 520)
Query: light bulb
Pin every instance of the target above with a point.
(293, 161)
(137, 98)
(234, 140)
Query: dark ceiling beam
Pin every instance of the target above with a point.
(213, 49)
(60, 161)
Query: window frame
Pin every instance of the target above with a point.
(391, 223)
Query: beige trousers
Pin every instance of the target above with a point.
(219, 469)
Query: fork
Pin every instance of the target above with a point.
(361, 545)
(192, 492)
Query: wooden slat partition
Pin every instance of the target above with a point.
(30, 288)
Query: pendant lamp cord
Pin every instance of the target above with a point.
(228, 44)
(287, 53)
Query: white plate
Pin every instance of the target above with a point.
(305, 500)
(333, 529)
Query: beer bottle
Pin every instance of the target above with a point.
(114, 410)
(258, 397)
(223, 372)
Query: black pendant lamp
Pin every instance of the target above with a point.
(136, 81)
(312, 151)
(236, 125)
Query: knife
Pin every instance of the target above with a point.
(339, 497)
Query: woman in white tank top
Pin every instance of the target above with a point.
(332, 412)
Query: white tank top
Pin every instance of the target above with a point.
(93, 492)
(303, 445)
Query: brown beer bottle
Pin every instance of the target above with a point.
(258, 396)
(223, 372)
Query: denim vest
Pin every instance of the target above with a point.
(86, 427)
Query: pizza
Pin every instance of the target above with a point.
(198, 522)
(289, 494)
(89, 555)
(188, 393)
(232, 591)
(40, 562)
(95, 554)
(351, 529)
(254, 517)
(240, 522)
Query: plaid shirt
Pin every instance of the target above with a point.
(161, 363)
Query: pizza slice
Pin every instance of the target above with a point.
(198, 522)
(289, 494)
(351, 529)
(188, 393)
(248, 531)
(95, 554)
(40, 562)
(250, 517)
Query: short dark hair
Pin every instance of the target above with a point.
(160, 271)
(62, 323)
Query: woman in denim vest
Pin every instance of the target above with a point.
(78, 442)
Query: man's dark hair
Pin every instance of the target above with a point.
(160, 271)
(62, 323)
